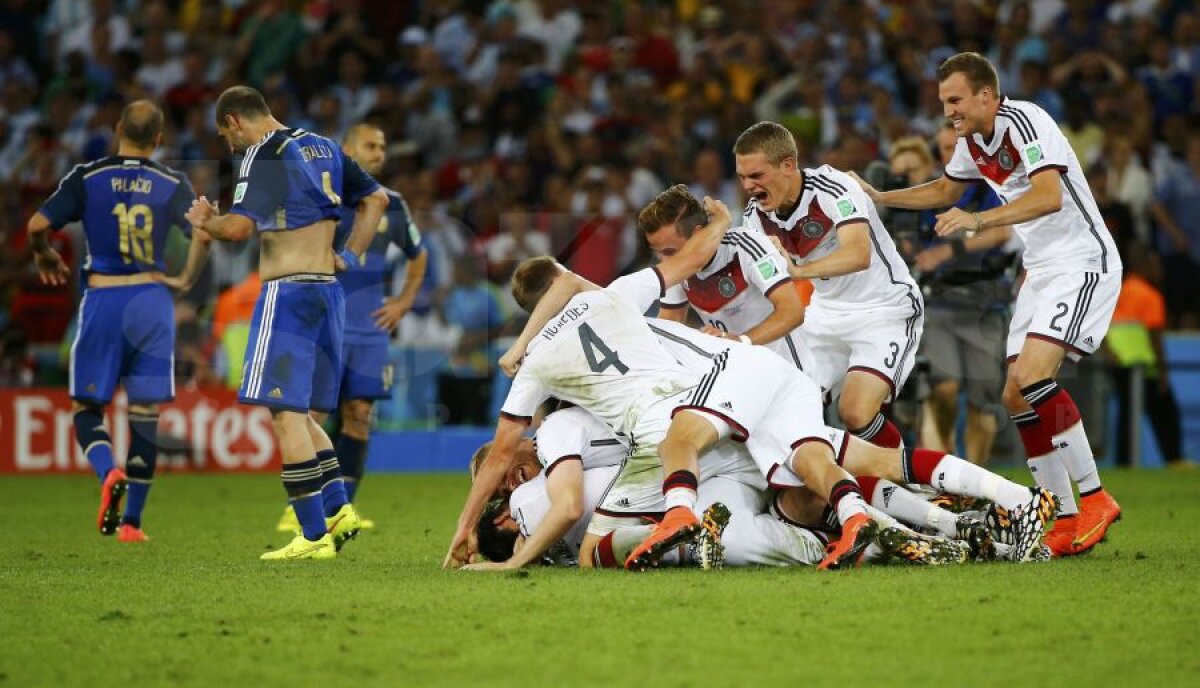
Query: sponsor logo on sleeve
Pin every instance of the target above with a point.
(766, 268)
(239, 192)
(1033, 154)
(845, 208)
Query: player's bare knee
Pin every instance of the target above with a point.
(857, 411)
(945, 394)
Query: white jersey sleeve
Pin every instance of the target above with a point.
(675, 297)
(524, 397)
(962, 167)
(643, 288)
(1043, 145)
(530, 503)
(852, 205)
(573, 433)
(761, 263)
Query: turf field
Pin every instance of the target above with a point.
(195, 607)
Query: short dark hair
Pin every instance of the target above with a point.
(141, 123)
(975, 67)
(532, 279)
(495, 543)
(243, 101)
(675, 206)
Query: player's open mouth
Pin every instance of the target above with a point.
(760, 196)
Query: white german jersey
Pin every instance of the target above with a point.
(828, 200)
(599, 354)
(731, 292)
(1026, 141)
(530, 503)
(573, 433)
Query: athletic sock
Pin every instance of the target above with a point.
(352, 457)
(139, 467)
(1068, 440)
(899, 503)
(1047, 467)
(847, 500)
(614, 548)
(952, 474)
(94, 439)
(303, 484)
(679, 489)
(880, 432)
(333, 490)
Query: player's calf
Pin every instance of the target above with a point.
(141, 462)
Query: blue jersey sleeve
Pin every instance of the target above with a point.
(66, 204)
(261, 186)
(404, 231)
(356, 183)
(181, 201)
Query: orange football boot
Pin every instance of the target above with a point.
(131, 533)
(1061, 538)
(858, 532)
(112, 491)
(679, 525)
(1097, 511)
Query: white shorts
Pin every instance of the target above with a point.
(842, 341)
(1071, 309)
(763, 401)
(635, 495)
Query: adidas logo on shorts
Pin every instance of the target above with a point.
(276, 393)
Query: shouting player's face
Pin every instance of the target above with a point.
(967, 111)
(766, 183)
(367, 149)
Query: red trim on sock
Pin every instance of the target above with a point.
(867, 484)
(888, 437)
(924, 462)
(1038, 442)
(604, 553)
(1057, 413)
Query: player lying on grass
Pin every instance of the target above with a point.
(552, 490)
(756, 397)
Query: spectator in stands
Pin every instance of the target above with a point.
(1177, 210)
(1135, 341)
(474, 310)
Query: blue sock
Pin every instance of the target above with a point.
(91, 435)
(352, 457)
(139, 467)
(303, 484)
(333, 490)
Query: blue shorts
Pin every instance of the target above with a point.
(367, 371)
(125, 335)
(294, 354)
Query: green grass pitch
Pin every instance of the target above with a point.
(195, 607)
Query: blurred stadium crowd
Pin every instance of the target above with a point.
(526, 127)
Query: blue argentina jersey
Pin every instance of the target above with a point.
(293, 178)
(127, 206)
(365, 284)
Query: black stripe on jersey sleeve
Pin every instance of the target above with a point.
(740, 241)
(1062, 169)
(1021, 120)
(680, 340)
(821, 185)
(559, 461)
(1016, 126)
(832, 183)
(838, 186)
